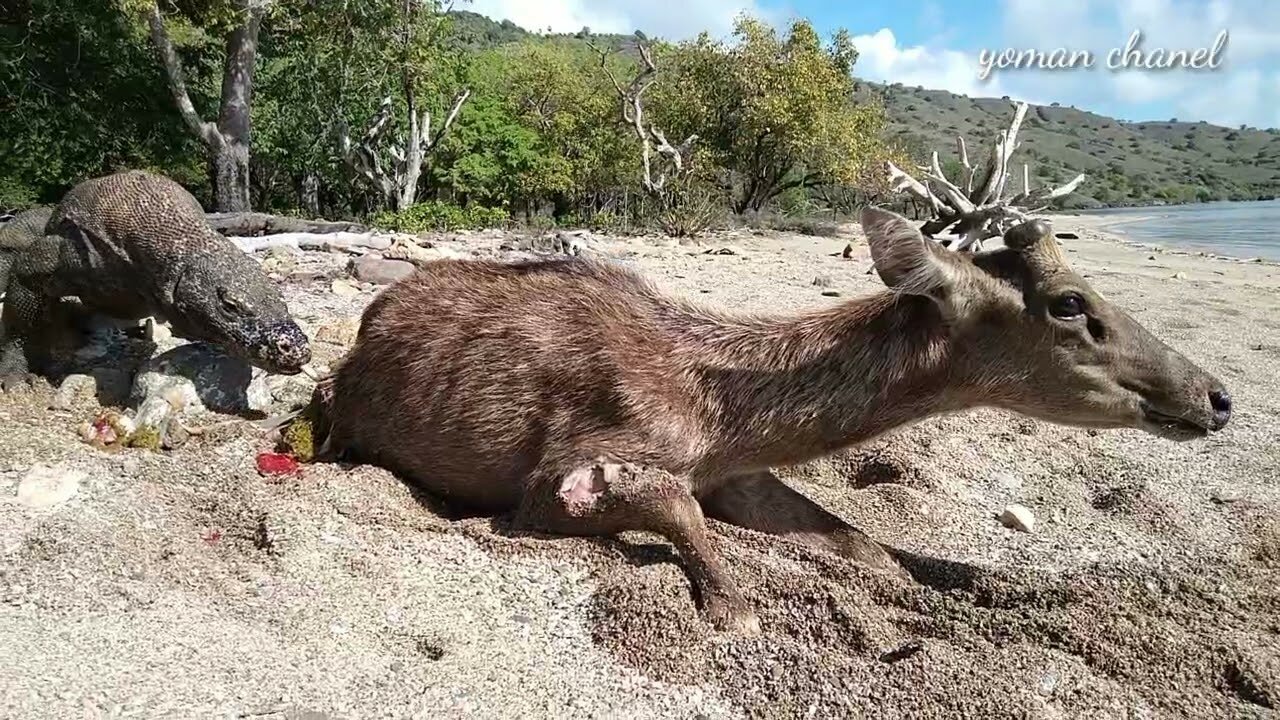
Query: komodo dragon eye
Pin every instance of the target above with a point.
(233, 304)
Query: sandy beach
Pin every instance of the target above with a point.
(184, 584)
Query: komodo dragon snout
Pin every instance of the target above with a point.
(227, 302)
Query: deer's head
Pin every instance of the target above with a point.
(1030, 335)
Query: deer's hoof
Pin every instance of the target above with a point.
(733, 617)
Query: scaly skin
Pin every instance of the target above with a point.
(17, 234)
(135, 244)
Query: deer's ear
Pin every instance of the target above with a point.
(904, 259)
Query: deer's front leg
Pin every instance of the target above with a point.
(606, 497)
(762, 502)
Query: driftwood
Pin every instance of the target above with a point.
(977, 213)
(356, 243)
(252, 223)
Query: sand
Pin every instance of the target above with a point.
(184, 584)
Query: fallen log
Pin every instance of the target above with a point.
(357, 243)
(248, 224)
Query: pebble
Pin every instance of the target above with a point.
(380, 271)
(831, 293)
(848, 251)
(1018, 517)
(822, 281)
(1225, 496)
(45, 487)
(1179, 276)
(725, 250)
(343, 288)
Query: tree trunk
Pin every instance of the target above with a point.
(228, 141)
(229, 162)
(310, 195)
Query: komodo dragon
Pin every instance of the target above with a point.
(17, 234)
(136, 244)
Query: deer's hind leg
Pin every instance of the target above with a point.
(762, 502)
(605, 497)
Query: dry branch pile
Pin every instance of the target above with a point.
(985, 211)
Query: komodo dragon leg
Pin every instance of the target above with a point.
(29, 322)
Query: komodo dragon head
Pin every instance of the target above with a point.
(225, 299)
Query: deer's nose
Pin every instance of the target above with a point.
(1220, 400)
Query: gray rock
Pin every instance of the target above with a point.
(199, 376)
(291, 390)
(113, 384)
(381, 271)
(74, 390)
(45, 487)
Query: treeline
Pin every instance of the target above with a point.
(395, 110)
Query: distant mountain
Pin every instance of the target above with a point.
(1127, 163)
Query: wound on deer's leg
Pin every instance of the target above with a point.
(607, 497)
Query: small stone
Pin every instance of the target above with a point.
(724, 250)
(1151, 257)
(1179, 276)
(45, 487)
(1018, 517)
(74, 389)
(343, 288)
(380, 271)
(1225, 496)
(831, 293)
(1048, 683)
(822, 281)
(848, 251)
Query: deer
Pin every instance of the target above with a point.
(579, 399)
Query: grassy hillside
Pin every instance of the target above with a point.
(1126, 162)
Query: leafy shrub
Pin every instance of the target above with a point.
(15, 196)
(439, 216)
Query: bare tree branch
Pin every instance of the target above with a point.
(207, 132)
(651, 138)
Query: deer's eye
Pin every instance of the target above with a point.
(1067, 307)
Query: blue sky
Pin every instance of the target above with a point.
(937, 44)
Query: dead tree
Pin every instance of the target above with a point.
(985, 211)
(226, 141)
(652, 140)
(396, 177)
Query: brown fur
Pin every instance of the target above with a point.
(578, 395)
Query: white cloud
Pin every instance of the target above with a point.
(881, 58)
(620, 16)
(1245, 89)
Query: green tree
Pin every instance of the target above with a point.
(776, 111)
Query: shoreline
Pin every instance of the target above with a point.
(1104, 228)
